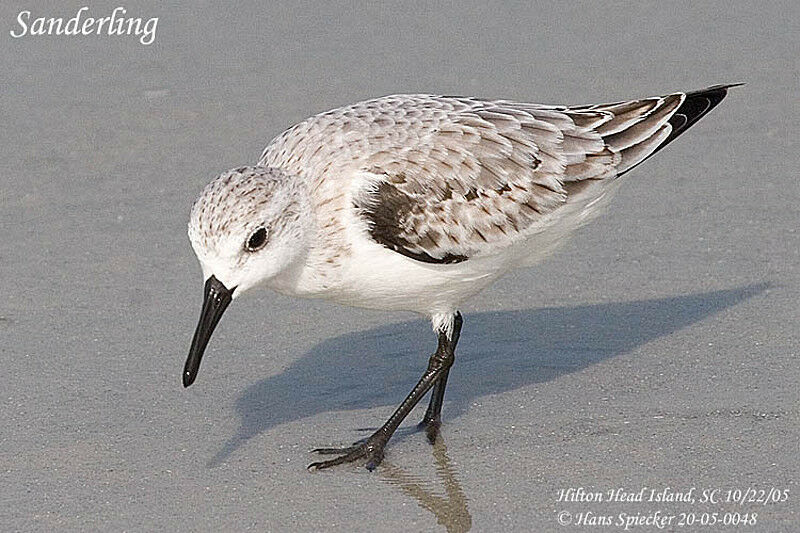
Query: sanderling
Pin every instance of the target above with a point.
(417, 202)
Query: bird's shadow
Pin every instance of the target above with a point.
(498, 351)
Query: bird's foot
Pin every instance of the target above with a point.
(370, 449)
(431, 427)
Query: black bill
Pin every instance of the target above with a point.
(215, 301)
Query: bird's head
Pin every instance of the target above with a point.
(247, 228)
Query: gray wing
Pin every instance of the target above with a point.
(500, 171)
(446, 179)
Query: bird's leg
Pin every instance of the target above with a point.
(432, 420)
(372, 448)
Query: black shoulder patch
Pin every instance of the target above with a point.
(386, 217)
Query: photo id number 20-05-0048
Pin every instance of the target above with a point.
(744, 498)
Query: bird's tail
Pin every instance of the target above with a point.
(634, 130)
(640, 128)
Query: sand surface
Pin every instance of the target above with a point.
(658, 349)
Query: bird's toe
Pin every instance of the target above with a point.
(371, 449)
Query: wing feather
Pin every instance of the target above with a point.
(447, 179)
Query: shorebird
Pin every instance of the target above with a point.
(416, 203)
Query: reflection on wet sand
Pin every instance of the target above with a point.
(450, 508)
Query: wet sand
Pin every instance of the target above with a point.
(657, 349)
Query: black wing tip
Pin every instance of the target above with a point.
(718, 87)
(714, 95)
(695, 106)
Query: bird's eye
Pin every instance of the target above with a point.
(257, 240)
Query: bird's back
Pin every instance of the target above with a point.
(441, 180)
